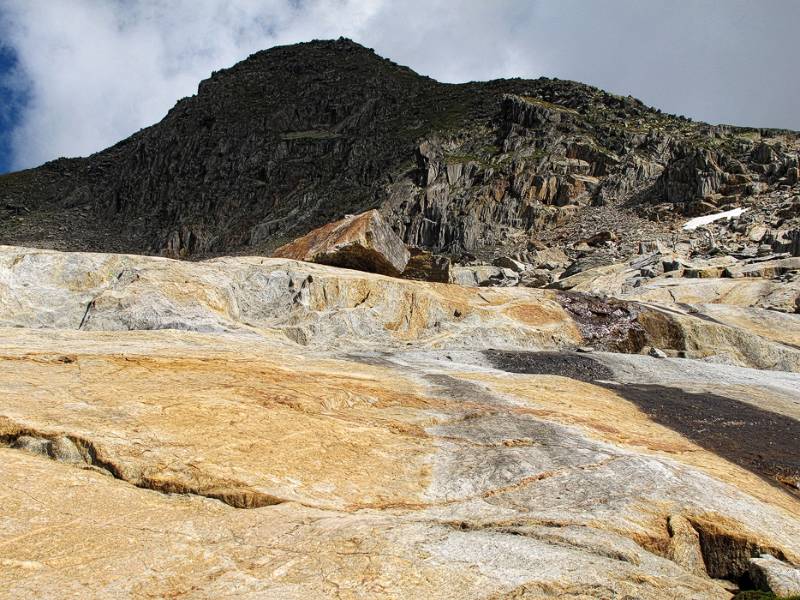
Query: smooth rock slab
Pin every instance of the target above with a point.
(269, 428)
(391, 476)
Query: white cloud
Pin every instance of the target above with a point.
(98, 70)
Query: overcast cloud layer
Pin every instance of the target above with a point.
(95, 71)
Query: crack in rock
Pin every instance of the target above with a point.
(79, 451)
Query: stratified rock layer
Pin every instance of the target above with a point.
(268, 428)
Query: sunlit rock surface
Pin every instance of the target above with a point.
(265, 428)
(365, 242)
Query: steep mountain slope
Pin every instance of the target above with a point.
(294, 137)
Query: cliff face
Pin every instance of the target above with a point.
(297, 136)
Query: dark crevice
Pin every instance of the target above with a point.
(727, 555)
(86, 313)
(77, 450)
(363, 300)
(538, 530)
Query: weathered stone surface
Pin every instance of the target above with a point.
(364, 242)
(767, 268)
(279, 429)
(426, 266)
(761, 293)
(322, 306)
(307, 303)
(773, 575)
(343, 464)
(484, 276)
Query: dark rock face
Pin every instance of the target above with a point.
(694, 176)
(298, 136)
(426, 266)
(281, 143)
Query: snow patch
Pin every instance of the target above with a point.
(705, 220)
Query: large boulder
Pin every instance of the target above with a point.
(585, 263)
(506, 262)
(364, 242)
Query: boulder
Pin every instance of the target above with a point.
(756, 233)
(585, 263)
(766, 268)
(709, 269)
(536, 278)
(363, 242)
(506, 262)
(425, 266)
(606, 279)
(548, 258)
(769, 573)
(601, 238)
(484, 276)
(787, 241)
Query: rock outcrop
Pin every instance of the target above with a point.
(287, 429)
(296, 137)
(364, 242)
(426, 266)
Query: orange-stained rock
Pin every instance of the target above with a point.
(364, 242)
(261, 428)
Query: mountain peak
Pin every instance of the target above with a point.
(296, 136)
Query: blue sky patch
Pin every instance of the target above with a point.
(12, 99)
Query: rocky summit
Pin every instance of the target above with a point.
(502, 340)
(295, 137)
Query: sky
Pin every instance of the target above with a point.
(76, 76)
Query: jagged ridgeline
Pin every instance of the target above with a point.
(297, 136)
